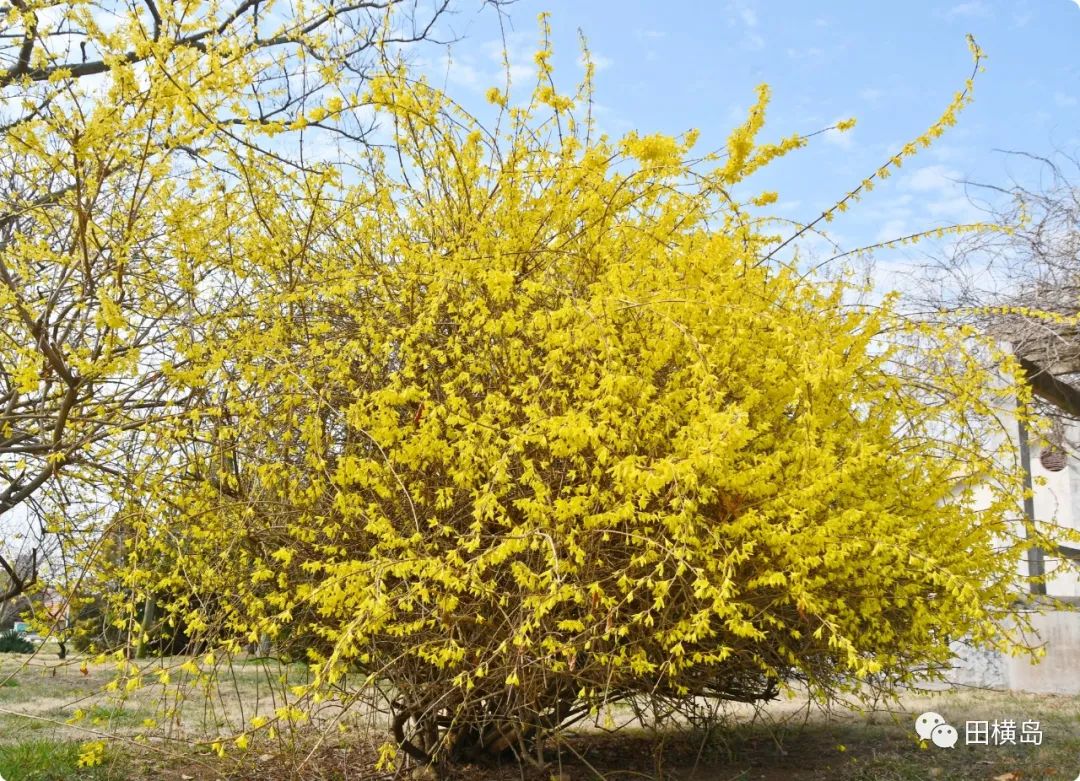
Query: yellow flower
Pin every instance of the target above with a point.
(92, 753)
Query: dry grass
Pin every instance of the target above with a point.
(42, 694)
(786, 740)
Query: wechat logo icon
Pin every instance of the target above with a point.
(931, 726)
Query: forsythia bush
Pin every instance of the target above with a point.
(522, 421)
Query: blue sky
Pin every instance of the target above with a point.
(669, 66)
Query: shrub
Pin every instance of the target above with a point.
(13, 643)
(540, 420)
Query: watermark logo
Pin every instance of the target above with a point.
(1004, 732)
(925, 724)
(944, 736)
(1000, 732)
(932, 726)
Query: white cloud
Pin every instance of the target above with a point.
(931, 178)
(742, 11)
(518, 49)
(957, 208)
(842, 139)
(599, 61)
(736, 113)
(941, 194)
(946, 152)
(1061, 100)
(969, 9)
(809, 53)
(607, 121)
(838, 138)
(647, 37)
(753, 42)
(496, 59)
(892, 229)
(463, 74)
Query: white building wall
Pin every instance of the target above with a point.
(1057, 500)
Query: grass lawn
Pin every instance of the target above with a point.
(785, 740)
(43, 759)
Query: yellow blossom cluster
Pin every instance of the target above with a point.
(527, 420)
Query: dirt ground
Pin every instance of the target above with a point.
(40, 697)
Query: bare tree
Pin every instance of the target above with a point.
(90, 289)
(1021, 282)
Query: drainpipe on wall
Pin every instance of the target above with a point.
(1036, 566)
